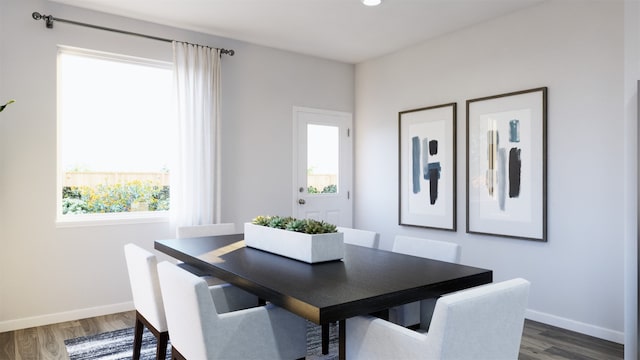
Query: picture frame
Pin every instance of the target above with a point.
(427, 167)
(506, 165)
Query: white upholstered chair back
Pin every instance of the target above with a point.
(192, 231)
(359, 237)
(190, 309)
(145, 286)
(217, 323)
(420, 312)
(205, 230)
(426, 248)
(485, 322)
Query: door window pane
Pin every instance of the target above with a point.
(322, 159)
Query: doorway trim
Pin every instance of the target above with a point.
(294, 175)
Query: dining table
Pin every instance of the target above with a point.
(365, 281)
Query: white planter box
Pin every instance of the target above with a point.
(304, 247)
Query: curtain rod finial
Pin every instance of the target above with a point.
(47, 18)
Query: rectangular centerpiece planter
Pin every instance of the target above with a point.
(310, 248)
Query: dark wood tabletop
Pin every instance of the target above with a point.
(363, 282)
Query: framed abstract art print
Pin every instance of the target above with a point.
(427, 167)
(506, 165)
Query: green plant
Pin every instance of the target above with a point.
(114, 198)
(5, 105)
(306, 226)
(279, 222)
(262, 220)
(297, 225)
(313, 227)
(319, 227)
(329, 228)
(330, 189)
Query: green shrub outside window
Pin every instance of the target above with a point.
(131, 196)
(329, 189)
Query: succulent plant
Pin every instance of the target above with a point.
(279, 222)
(314, 227)
(306, 226)
(329, 228)
(261, 220)
(297, 225)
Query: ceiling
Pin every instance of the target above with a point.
(342, 30)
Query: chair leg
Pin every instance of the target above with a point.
(161, 349)
(162, 338)
(137, 338)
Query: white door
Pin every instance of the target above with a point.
(323, 165)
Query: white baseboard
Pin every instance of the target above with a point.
(48, 319)
(577, 326)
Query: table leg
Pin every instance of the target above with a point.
(342, 339)
(325, 339)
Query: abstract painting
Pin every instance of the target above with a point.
(506, 164)
(427, 167)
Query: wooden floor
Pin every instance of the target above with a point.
(539, 341)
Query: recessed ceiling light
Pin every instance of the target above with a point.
(371, 2)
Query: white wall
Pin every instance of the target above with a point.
(50, 274)
(259, 98)
(631, 78)
(574, 48)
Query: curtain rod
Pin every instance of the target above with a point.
(49, 19)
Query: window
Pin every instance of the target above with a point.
(115, 118)
(322, 159)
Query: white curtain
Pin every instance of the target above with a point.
(195, 175)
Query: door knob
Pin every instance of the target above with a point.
(301, 201)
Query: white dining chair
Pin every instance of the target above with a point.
(205, 230)
(216, 323)
(359, 237)
(192, 231)
(147, 299)
(484, 322)
(419, 312)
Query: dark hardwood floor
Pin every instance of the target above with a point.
(47, 342)
(539, 341)
(542, 341)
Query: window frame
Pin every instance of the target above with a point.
(97, 219)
